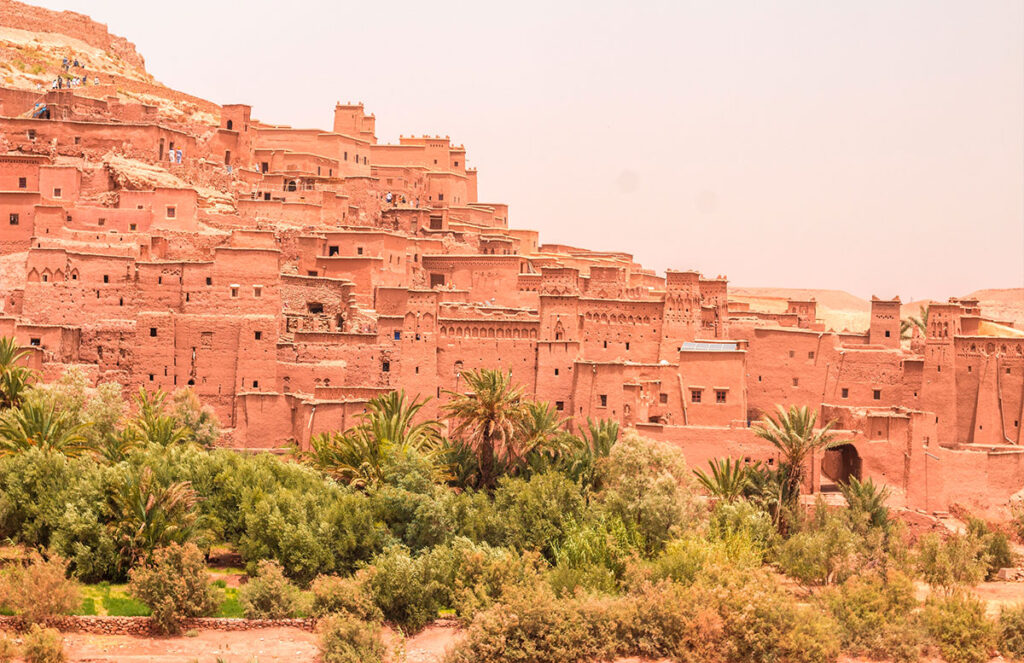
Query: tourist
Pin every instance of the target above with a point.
(177, 154)
(64, 64)
(170, 155)
(76, 63)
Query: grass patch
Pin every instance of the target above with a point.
(88, 607)
(230, 607)
(124, 606)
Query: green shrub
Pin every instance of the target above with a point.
(402, 589)
(647, 485)
(40, 590)
(269, 595)
(959, 628)
(43, 645)
(537, 512)
(951, 562)
(174, 586)
(822, 555)
(811, 639)
(875, 616)
(344, 639)
(345, 596)
(469, 577)
(1011, 631)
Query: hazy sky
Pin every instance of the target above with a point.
(873, 146)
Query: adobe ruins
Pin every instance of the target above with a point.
(288, 275)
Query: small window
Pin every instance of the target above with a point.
(14, 219)
(258, 335)
(315, 307)
(264, 167)
(1008, 371)
(792, 353)
(877, 394)
(796, 382)
(57, 192)
(255, 384)
(171, 212)
(606, 344)
(101, 221)
(234, 292)
(209, 281)
(332, 250)
(559, 406)
(106, 278)
(34, 342)
(663, 398)
(810, 354)
(132, 227)
(257, 291)
(887, 333)
(556, 371)
(22, 183)
(150, 377)
(695, 395)
(230, 124)
(398, 335)
(846, 392)
(346, 156)
(78, 140)
(31, 134)
(385, 366)
(152, 331)
(627, 345)
(969, 368)
(440, 196)
(359, 250)
(721, 395)
(604, 400)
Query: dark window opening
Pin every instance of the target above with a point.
(315, 307)
(264, 167)
(556, 371)
(34, 342)
(559, 405)
(106, 278)
(846, 392)
(359, 250)
(887, 333)
(663, 398)
(230, 124)
(258, 335)
(255, 384)
(14, 219)
(695, 395)
(152, 331)
(398, 335)
(385, 366)
(332, 250)
(22, 182)
(720, 395)
(209, 281)
(877, 394)
(604, 400)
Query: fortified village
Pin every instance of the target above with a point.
(288, 275)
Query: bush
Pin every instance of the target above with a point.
(41, 590)
(469, 577)
(958, 626)
(647, 485)
(269, 595)
(43, 645)
(823, 555)
(402, 589)
(537, 512)
(1011, 631)
(875, 616)
(952, 562)
(174, 586)
(8, 649)
(345, 596)
(344, 639)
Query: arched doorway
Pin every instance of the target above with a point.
(838, 465)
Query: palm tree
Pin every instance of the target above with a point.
(595, 442)
(867, 500)
(147, 515)
(360, 456)
(920, 323)
(41, 426)
(152, 425)
(792, 432)
(489, 418)
(727, 481)
(14, 378)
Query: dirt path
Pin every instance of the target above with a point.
(271, 645)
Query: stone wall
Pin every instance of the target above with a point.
(144, 625)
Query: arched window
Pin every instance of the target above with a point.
(230, 125)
